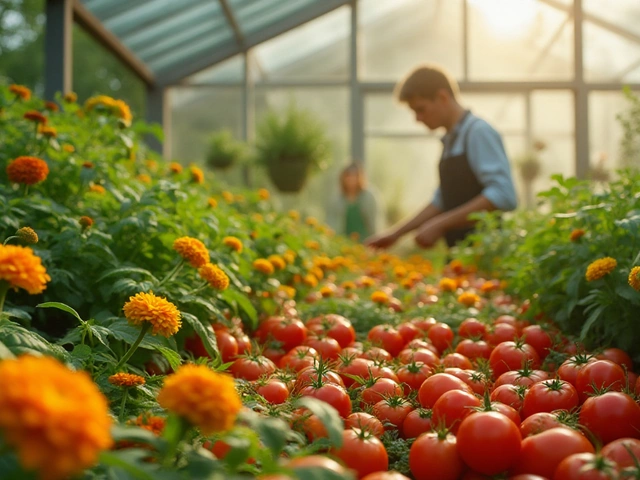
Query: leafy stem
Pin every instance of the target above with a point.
(143, 331)
(172, 273)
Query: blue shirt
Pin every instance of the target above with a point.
(487, 158)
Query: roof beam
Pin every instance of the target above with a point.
(231, 19)
(94, 26)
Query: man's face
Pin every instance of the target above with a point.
(428, 112)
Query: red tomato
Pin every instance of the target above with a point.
(618, 356)
(424, 324)
(435, 456)
(310, 374)
(383, 387)
(539, 339)
(471, 327)
(525, 377)
(599, 374)
(362, 452)
(332, 394)
(365, 422)
(611, 416)
(474, 349)
(252, 368)
(423, 355)
(274, 391)
(310, 425)
(193, 344)
(570, 368)
(512, 356)
(243, 341)
(290, 332)
(441, 336)
(511, 395)
(328, 348)
(358, 367)
(624, 452)
(586, 466)
(456, 360)
(273, 352)
(417, 343)
(335, 326)
(412, 376)
(388, 338)
(502, 332)
(385, 476)
(392, 412)
(489, 442)
(434, 386)
(298, 358)
(508, 319)
(548, 396)
(538, 423)
(416, 423)
(408, 331)
(453, 407)
(376, 354)
(319, 461)
(541, 454)
(478, 381)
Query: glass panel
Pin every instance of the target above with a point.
(384, 115)
(621, 13)
(524, 40)
(317, 50)
(607, 56)
(398, 35)
(201, 48)
(255, 15)
(505, 112)
(231, 70)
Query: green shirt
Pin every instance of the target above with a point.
(355, 221)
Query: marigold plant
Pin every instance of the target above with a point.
(122, 379)
(576, 234)
(20, 91)
(85, 222)
(197, 175)
(600, 268)
(175, 167)
(192, 250)
(215, 276)
(27, 170)
(380, 297)
(448, 284)
(35, 116)
(233, 243)
(21, 268)
(277, 261)
(163, 315)
(263, 265)
(468, 299)
(634, 278)
(27, 235)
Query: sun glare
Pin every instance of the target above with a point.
(507, 17)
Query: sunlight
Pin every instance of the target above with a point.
(507, 18)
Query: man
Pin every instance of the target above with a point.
(474, 170)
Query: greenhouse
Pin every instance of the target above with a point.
(319, 239)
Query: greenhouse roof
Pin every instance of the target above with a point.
(174, 39)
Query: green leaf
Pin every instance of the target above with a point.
(5, 353)
(17, 313)
(328, 416)
(135, 434)
(171, 355)
(81, 351)
(10, 468)
(121, 330)
(131, 461)
(593, 318)
(235, 296)
(101, 333)
(19, 340)
(126, 271)
(205, 333)
(73, 336)
(273, 432)
(61, 306)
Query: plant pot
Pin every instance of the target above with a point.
(220, 163)
(530, 170)
(288, 175)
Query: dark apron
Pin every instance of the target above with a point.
(458, 184)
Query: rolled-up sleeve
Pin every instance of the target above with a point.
(488, 160)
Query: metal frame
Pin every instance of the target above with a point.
(58, 48)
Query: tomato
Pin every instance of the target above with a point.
(611, 416)
(298, 358)
(194, 345)
(512, 356)
(434, 386)
(586, 466)
(453, 407)
(379, 389)
(478, 381)
(362, 452)
(618, 356)
(441, 336)
(421, 343)
(365, 422)
(328, 348)
(416, 423)
(474, 349)
(471, 327)
(512, 395)
(290, 332)
(358, 367)
(538, 423)
(526, 476)
(408, 331)
(502, 332)
(456, 360)
(384, 372)
(506, 319)
(541, 454)
(624, 452)
(423, 355)
(424, 324)
(388, 338)
(435, 456)
(319, 461)
(310, 425)
(273, 352)
(274, 391)
(570, 368)
(539, 339)
(599, 374)
(392, 411)
(525, 377)
(392, 475)
(548, 396)
(376, 354)
(489, 442)
(335, 326)
(412, 376)
(309, 374)
(252, 367)
(332, 394)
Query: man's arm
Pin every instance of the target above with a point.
(388, 239)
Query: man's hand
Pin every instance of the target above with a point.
(430, 233)
(382, 240)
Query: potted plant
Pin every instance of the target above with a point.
(291, 145)
(224, 150)
(530, 167)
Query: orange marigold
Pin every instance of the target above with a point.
(213, 203)
(197, 175)
(263, 193)
(20, 91)
(294, 215)
(264, 266)
(144, 178)
(311, 221)
(289, 256)
(192, 250)
(68, 148)
(51, 106)
(380, 297)
(21, 268)
(468, 299)
(600, 268)
(367, 282)
(233, 243)
(123, 112)
(448, 284)
(175, 167)
(35, 116)
(327, 291)
(310, 280)
(97, 189)
(576, 234)
(228, 196)
(56, 419)
(71, 97)
(86, 222)
(205, 398)
(216, 277)
(287, 290)
(126, 380)
(349, 285)
(151, 164)
(163, 315)
(634, 278)
(27, 235)
(48, 131)
(27, 170)
(277, 261)
(151, 423)
(312, 245)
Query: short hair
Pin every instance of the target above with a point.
(354, 168)
(425, 81)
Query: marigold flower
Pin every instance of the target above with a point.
(310, 280)
(163, 315)
(448, 284)
(21, 268)
(228, 196)
(576, 234)
(57, 420)
(97, 189)
(151, 164)
(600, 268)
(456, 266)
(99, 100)
(204, 398)
(264, 266)
(86, 222)
(126, 380)
(87, 165)
(367, 282)
(51, 106)
(294, 215)
(151, 423)
(468, 299)
(27, 235)
(48, 131)
(175, 167)
(20, 91)
(408, 283)
(123, 112)
(327, 291)
(68, 148)
(489, 286)
(348, 285)
(263, 193)
(213, 203)
(277, 261)
(257, 217)
(27, 170)
(312, 245)
(197, 175)
(192, 250)
(634, 278)
(311, 221)
(380, 297)
(234, 243)
(289, 256)
(70, 97)
(144, 178)
(216, 277)
(287, 290)
(400, 271)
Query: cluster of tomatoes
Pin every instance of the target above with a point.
(487, 401)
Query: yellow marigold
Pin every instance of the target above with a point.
(163, 315)
(576, 234)
(123, 112)
(144, 178)
(49, 132)
(263, 265)
(456, 266)
(204, 398)
(289, 256)
(99, 100)
(317, 272)
(288, 291)
(21, 268)
(348, 285)
(175, 167)
(239, 198)
(97, 189)
(228, 196)
(263, 193)
(71, 97)
(192, 250)
(277, 261)
(600, 268)
(400, 271)
(20, 91)
(322, 261)
(367, 282)
(27, 170)
(327, 291)
(489, 286)
(122, 379)
(448, 284)
(51, 106)
(151, 423)
(68, 148)
(408, 283)
(634, 278)
(294, 215)
(312, 245)
(212, 202)
(311, 221)
(468, 299)
(379, 297)
(216, 277)
(57, 420)
(197, 175)
(310, 280)
(234, 243)
(27, 235)
(151, 164)
(257, 217)
(86, 222)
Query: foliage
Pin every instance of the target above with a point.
(630, 121)
(225, 150)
